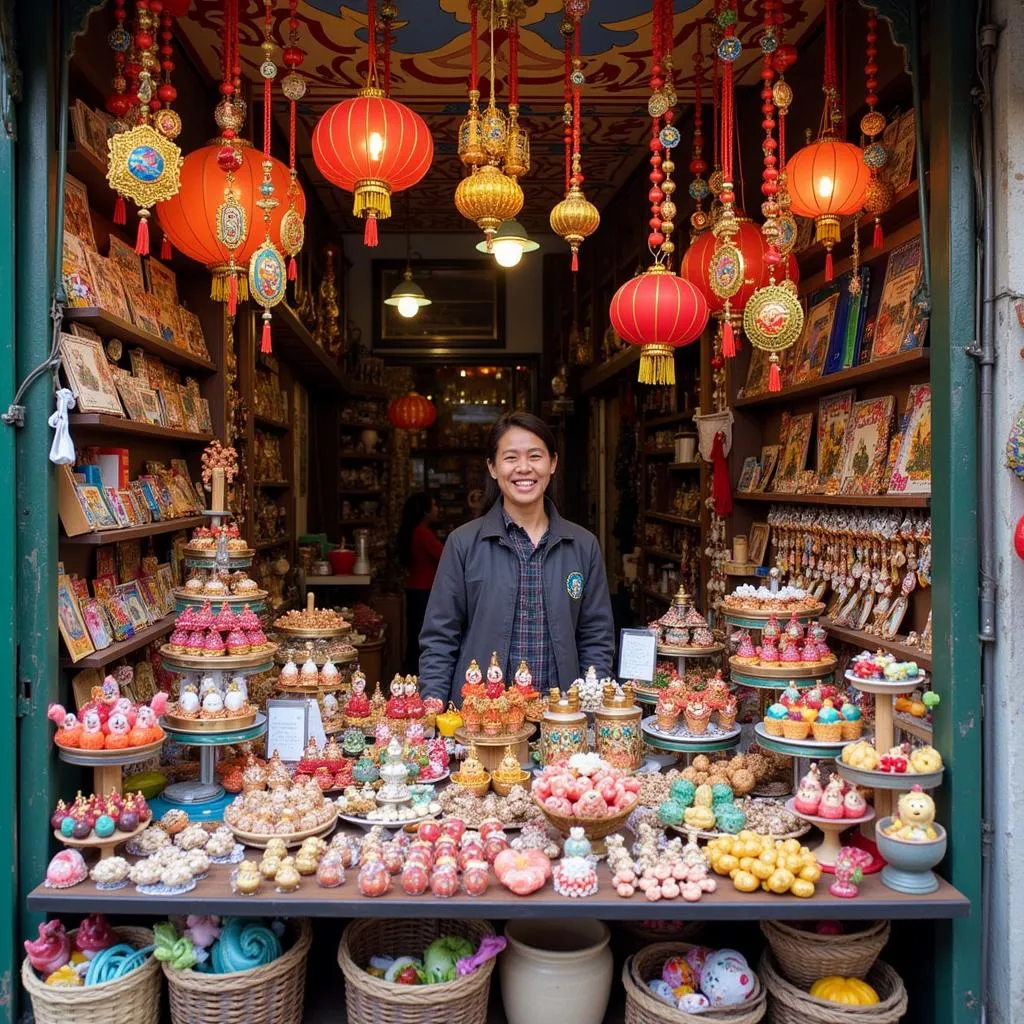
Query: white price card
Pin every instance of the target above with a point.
(287, 728)
(638, 654)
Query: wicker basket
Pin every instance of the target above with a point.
(792, 1005)
(803, 957)
(638, 934)
(370, 1000)
(593, 828)
(272, 994)
(643, 1008)
(133, 999)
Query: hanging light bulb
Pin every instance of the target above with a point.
(510, 242)
(408, 297)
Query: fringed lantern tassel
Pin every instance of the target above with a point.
(657, 365)
(120, 211)
(728, 340)
(575, 266)
(166, 252)
(293, 270)
(774, 374)
(879, 239)
(828, 265)
(232, 293)
(265, 346)
(142, 237)
(370, 239)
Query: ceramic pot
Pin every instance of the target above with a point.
(557, 970)
(908, 864)
(686, 447)
(369, 439)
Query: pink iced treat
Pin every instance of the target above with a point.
(195, 641)
(213, 641)
(248, 619)
(179, 638)
(236, 640)
(187, 619)
(227, 620)
(256, 638)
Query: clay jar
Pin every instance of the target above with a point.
(556, 970)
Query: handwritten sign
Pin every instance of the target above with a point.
(638, 654)
(287, 728)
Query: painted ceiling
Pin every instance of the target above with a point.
(430, 70)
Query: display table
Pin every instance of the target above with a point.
(213, 895)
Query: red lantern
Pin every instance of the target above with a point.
(189, 219)
(412, 412)
(372, 146)
(1018, 538)
(659, 312)
(750, 242)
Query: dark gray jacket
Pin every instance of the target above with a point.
(473, 601)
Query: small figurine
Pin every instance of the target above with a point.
(473, 686)
(495, 678)
(849, 872)
(396, 705)
(358, 704)
(808, 793)
(915, 815)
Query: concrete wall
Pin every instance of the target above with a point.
(523, 289)
(1007, 927)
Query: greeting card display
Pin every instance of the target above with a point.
(813, 344)
(89, 373)
(896, 326)
(866, 451)
(912, 473)
(796, 440)
(833, 417)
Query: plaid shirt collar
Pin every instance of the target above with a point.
(514, 531)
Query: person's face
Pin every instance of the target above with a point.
(432, 511)
(522, 467)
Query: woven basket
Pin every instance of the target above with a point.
(643, 1008)
(639, 935)
(804, 957)
(272, 994)
(370, 1000)
(133, 999)
(593, 828)
(792, 1005)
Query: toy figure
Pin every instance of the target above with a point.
(849, 872)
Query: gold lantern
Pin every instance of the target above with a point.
(517, 148)
(574, 219)
(471, 134)
(487, 197)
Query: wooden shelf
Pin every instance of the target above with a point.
(661, 554)
(134, 532)
(270, 423)
(659, 453)
(269, 485)
(266, 545)
(865, 500)
(657, 595)
(119, 650)
(619, 362)
(668, 420)
(379, 427)
(882, 369)
(360, 490)
(306, 359)
(684, 465)
(357, 522)
(870, 642)
(97, 422)
(917, 727)
(357, 457)
(106, 325)
(666, 517)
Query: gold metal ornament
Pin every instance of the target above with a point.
(487, 197)
(773, 318)
(471, 134)
(517, 148)
(144, 166)
(574, 218)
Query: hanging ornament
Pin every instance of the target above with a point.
(372, 145)
(575, 217)
(268, 275)
(828, 178)
(166, 120)
(699, 191)
(143, 164)
(783, 56)
(879, 194)
(471, 132)
(293, 85)
(517, 148)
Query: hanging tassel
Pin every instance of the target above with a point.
(265, 346)
(774, 374)
(120, 213)
(728, 340)
(879, 240)
(142, 237)
(233, 294)
(166, 252)
(828, 265)
(370, 233)
(575, 261)
(293, 270)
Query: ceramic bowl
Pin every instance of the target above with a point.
(908, 865)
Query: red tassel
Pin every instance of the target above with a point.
(165, 249)
(370, 233)
(265, 346)
(828, 265)
(575, 261)
(293, 271)
(120, 213)
(879, 240)
(774, 378)
(728, 341)
(142, 237)
(233, 295)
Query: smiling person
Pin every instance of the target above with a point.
(519, 580)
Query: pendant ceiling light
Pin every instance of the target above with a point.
(509, 243)
(372, 145)
(408, 297)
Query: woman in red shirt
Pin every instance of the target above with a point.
(419, 551)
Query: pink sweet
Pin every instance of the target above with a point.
(808, 794)
(51, 950)
(93, 934)
(257, 638)
(746, 648)
(179, 638)
(768, 651)
(187, 619)
(213, 641)
(195, 641)
(790, 653)
(810, 652)
(854, 804)
(793, 628)
(236, 640)
(227, 620)
(248, 619)
(66, 869)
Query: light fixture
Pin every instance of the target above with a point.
(408, 296)
(509, 244)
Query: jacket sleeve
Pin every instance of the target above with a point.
(443, 624)
(595, 627)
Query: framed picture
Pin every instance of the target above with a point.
(162, 282)
(900, 139)
(467, 307)
(769, 461)
(758, 542)
(96, 622)
(76, 274)
(150, 596)
(796, 435)
(131, 511)
(154, 370)
(117, 506)
(128, 389)
(79, 586)
(70, 622)
(813, 343)
(189, 412)
(165, 576)
(120, 620)
(103, 518)
(748, 475)
(127, 261)
(150, 406)
(833, 415)
(90, 130)
(89, 374)
(135, 605)
(895, 328)
(866, 449)
(192, 329)
(106, 280)
(77, 218)
(205, 421)
(104, 586)
(170, 400)
(129, 559)
(106, 560)
(912, 473)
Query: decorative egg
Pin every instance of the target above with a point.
(104, 826)
(695, 958)
(726, 978)
(676, 971)
(188, 702)
(693, 1002)
(234, 700)
(81, 830)
(213, 703)
(662, 990)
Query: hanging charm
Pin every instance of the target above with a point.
(879, 194)
(293, 228)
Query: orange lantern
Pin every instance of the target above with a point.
(412, 412)
(659, 312)
(827, 180)
(189, 219)
(372, 145)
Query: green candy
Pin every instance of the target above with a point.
(670, 812)
(721, 794)
(729, 818)
(683, 791)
